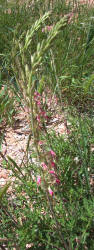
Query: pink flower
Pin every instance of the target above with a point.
(38, 180)
(57, 181)
(46, 117)
(50, 191)
(40, 142)
(38, 103)
(43, 113)
(43, 29)
(38, 118)
(37, 96)
(36, 93)
(52, 172)
(47, 28)
(44, 165)
(53, 154)
(53, 164)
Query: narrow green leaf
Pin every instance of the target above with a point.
(15, 165)
(3, 190)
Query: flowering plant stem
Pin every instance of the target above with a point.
(27, 71)
(43, 177)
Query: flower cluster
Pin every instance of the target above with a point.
(50, 169)
(41, 114)
(48, 165)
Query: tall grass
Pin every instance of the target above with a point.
(48, 52)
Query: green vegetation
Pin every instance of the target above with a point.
(46, 53)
